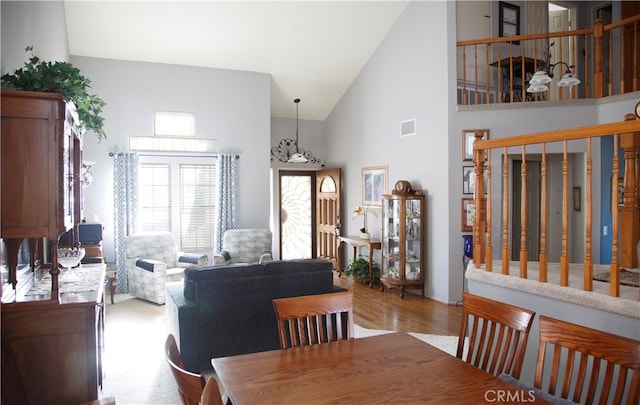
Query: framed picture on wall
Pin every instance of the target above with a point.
(468, 213)
(468, 138)
(374, 184)
(469, 179)
(508, 20)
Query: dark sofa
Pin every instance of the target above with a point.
(227, 310)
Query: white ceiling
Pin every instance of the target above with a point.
(313, 50)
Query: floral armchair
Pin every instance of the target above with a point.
(248, 245)
(152, 260)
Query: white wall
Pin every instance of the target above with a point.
(39, 24)
(406, 78)
(230, 106)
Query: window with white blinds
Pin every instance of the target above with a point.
(178, 194)
(154, 184)
(197, 196)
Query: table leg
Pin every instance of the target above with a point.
(113, 288)
(370, 267)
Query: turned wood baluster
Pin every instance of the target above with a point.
(505, 212)
(486, 71)
(489, 250)
(524, 254)
(588, 260)
(614, 269)
(542, 256)
(564, 259)
(475, 74)
(464, 75)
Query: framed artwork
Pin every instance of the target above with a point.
(374, 184)
(468, 213)
(620, 188)
(469, 179)
(468, 138)
(509, 20)
(577, 198)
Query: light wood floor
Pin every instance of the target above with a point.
(374, 309)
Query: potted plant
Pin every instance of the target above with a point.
(63, 78)
(359, 268)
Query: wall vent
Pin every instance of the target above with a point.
(408, 128)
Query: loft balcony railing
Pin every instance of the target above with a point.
(625, 218)
(606, 59)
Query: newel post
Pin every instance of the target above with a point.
(629, 223)
(598, 75)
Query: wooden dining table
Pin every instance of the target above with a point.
(389, 368)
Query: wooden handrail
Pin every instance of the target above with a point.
(590, 131)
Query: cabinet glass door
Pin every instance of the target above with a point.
(413, 243)
(390, 233)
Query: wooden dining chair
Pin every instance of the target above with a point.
(587, 365)
(314, 319)
(497, 335)
(211, 393)
(190, 385)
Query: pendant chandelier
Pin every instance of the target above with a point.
(288, 150)
(540, 79)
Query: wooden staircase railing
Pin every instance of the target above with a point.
(625, 219)
(604, 57)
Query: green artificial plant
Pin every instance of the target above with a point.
(63, 78)
(360, 269)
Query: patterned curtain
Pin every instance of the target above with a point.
(227, 207)
(125, 207)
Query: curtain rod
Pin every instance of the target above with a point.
(112, 154)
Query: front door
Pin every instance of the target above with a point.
(328, 214)
(297, 233)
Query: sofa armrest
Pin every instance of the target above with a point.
(266, 256)
(221, 257)
(153, 266)
(191, 260)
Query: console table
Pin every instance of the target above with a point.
(357, 242)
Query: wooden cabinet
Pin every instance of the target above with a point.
(52, 350)
(41, 158)
(403, 241)
(52, 342)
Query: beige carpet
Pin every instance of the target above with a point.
(134, 366)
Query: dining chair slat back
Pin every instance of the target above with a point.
(496, 333)
(190, 385)
(587, 365)
(314, 319)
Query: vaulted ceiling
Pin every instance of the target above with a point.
(313, 50)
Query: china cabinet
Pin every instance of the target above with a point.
(51, 339)
(41, 151)
(403, 239)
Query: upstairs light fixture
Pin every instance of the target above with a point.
(538, 82)
(288, 150)
(544, 75)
